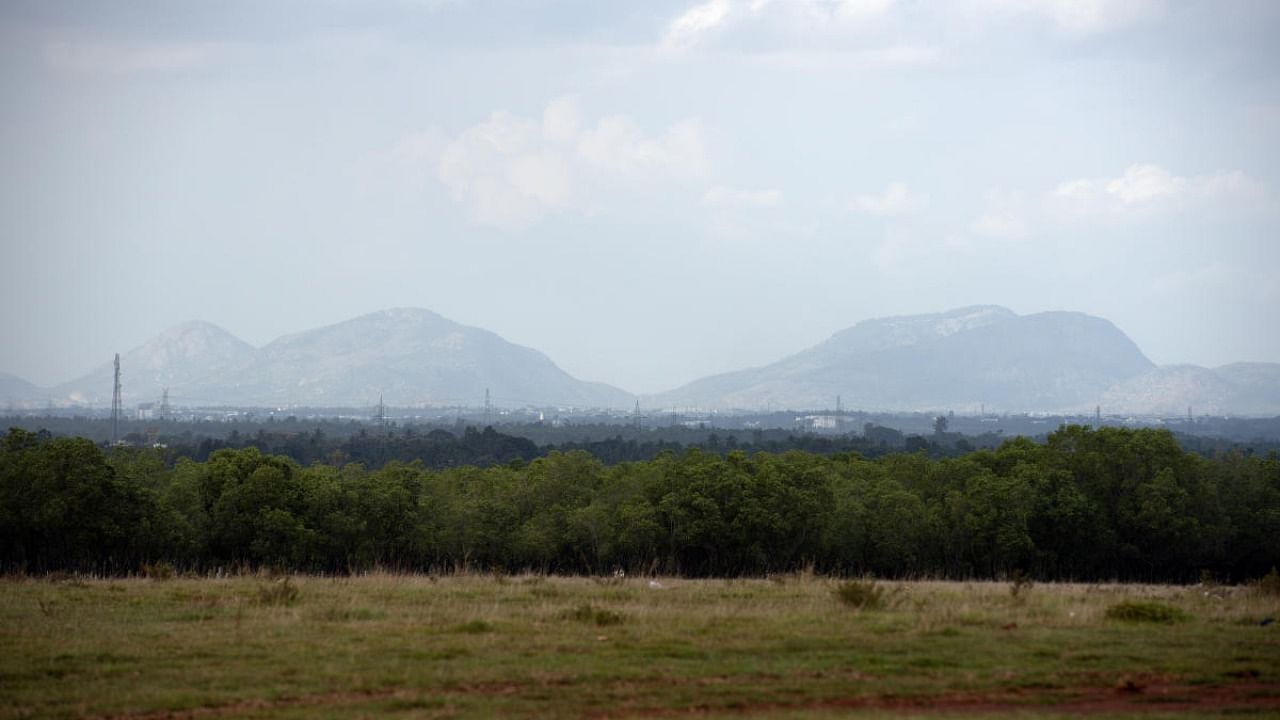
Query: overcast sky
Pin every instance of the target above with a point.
(647, 191)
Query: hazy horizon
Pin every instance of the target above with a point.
(646, 193)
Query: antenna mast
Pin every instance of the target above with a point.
(115, 405)
(380, 414)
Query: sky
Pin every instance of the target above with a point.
(648, 192)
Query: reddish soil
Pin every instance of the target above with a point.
(1129, 695)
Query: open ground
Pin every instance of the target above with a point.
(468, 645)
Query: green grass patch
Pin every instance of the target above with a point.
(474, 627)
(1146, 611)
(597, 616)
(863, 594)
(482, 646)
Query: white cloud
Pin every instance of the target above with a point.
(616, 144)
(93, 58)
(897, 199)
(512, 171)
(1075, 16)
(1146, 186)
(1000, 224)
(689, 28)
(1004, 218)
(501, 169)
(862, 10)
(721, 197)
(818, 11)
(899, 56)
(1090, 16)
(560, 120)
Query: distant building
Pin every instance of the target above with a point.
(820, 422)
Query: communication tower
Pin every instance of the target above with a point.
(115, 404)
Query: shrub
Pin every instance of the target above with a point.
(1020, 584)
(1268, 584)
(280, 592)
(862, 594)
(158, 571)
(1145, 611)
(475, 627)
(590, 614)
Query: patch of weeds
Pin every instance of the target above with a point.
(475, 627)
(65, 578)
(545, 591)
(1268, 584)
(338, 614)
(278, 593)
(1020, 585)
(863, 594)
(926, 663)
(158, 571)
(617, 578)
(406, 704)
(1145, 611)
(591, 614)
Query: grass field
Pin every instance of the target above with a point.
(532, 646)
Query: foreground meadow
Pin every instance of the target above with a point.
(534, 646)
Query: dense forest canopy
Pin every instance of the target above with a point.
(1088, 504)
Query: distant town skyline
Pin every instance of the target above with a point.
(647, 192)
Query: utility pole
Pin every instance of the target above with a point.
(380, 414)
(115, 405)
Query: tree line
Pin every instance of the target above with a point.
(1086, 504)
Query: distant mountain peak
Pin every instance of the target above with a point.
(409, 355)
(903, 330)
(959, 359)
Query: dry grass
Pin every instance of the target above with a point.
(533, 646)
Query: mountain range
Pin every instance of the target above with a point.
(966, 359)
(410, 356)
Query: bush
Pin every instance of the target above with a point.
(1020, 585)
(475, 627)
(599, 616)
(281, 592)
(1145, 611)
(1268, 584)
(158, 571)
(862, 594)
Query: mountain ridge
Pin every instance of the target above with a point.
(962, 359)
(412, 355)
